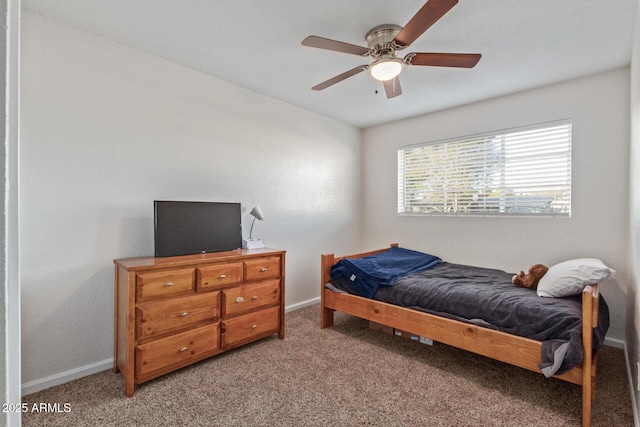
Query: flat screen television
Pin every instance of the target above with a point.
(183, 228)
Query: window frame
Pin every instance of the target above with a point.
(502, 206)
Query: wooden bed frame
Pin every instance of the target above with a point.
(515, 350)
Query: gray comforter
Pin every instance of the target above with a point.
(486, 297)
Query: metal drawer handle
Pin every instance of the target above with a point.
(168, 284)
(222, 276)
(239, 299)
(183, 349)
(183, 314)
(263, 269)
(255, 297)
(254, 326)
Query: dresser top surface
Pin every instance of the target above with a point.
(150, 262)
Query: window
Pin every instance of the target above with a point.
(516, 172)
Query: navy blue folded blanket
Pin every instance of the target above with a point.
(382, 269)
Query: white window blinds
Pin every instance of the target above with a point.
(518, 172)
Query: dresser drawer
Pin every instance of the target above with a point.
(176, 349)
(163, 284)
(214, 276)
(160, 317)
(249, 297)
(262, 268)
(243, 329)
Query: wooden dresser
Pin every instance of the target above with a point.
(171, 312)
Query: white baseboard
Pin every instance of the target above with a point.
(64, 377)
(83, 371)
(614, 342)
(302, 304)
(630, 371)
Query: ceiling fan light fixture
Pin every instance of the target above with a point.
(385, 68)
(383, 43)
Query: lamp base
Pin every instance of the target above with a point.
(252, 244)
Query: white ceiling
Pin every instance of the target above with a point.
(256, 44)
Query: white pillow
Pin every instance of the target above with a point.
(571, 277)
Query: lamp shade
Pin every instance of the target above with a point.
(256, 212)
(385, 68)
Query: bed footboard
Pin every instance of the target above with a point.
(515, 350)
(326, 313)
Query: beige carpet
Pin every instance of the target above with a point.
(347, 375)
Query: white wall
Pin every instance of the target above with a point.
(598, 227)
(633, 301)
(105, 131)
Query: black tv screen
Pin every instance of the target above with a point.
(183, 228)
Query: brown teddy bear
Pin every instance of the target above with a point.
(531, 279)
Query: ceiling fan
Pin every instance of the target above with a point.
(384, 41)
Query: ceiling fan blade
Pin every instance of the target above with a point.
(323, 43)
(460, 60)
(421, 21)
(392, 87)
(340, 77)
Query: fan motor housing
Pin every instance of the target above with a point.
(379, 39)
